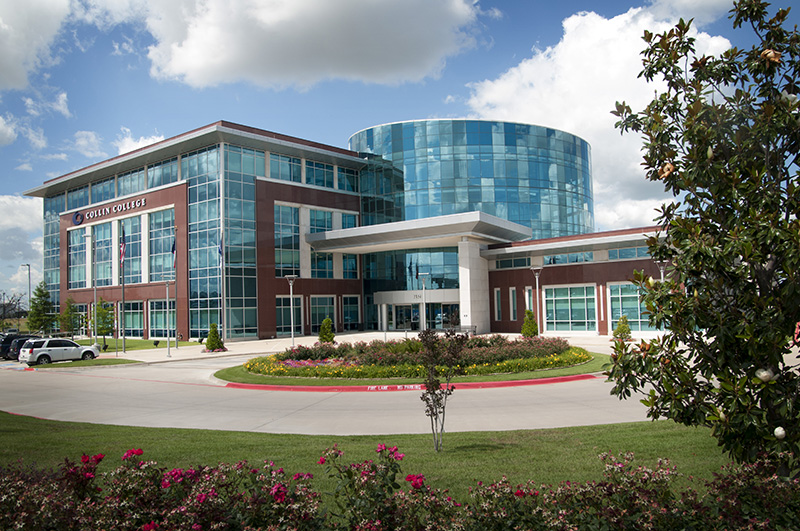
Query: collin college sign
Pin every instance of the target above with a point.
(80, 217)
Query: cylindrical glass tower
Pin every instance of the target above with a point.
(528, 174)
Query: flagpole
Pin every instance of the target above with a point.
(175, 277)
(122, 248)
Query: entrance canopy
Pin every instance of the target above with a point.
(440, 231)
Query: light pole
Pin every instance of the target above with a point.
(90, 249)
(29, 286)
(662, 266)
(291, 279)
(423, 321)
(166, 305)
(537, 270)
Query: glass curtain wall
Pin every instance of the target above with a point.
(132, 229)
(104, 254)
(201, 170)
(53, 206)
(242, 166)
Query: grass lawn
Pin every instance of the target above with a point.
(546, 456)
(240, 375)
(135, 344)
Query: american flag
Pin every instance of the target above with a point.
(122, 246)
(174, 255)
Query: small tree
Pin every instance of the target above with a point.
(69, 318)
(529, 326)
(326, 334)
(214, 342)
(440, 356)
(724, 138)
(105, 319)
(622, 332)
(40, 315)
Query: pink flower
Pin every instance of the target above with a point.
(202, 497)
(321, 460)
(381, 447)
(130, 453)
(149, 527)
(520, 493)
(85, 458)
(196, 527)
(399, 457)
(88, 475)
(97, 458)
(279, 492)
(416, 480)
(164, 484)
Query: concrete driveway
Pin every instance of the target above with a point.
(181, 392)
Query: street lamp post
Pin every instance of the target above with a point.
(423, 314)
(291, 279)
(29, 286)
(662, 266)
(537, 270)
(90, 245)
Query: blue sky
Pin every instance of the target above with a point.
(84, 80)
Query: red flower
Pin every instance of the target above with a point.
(520, 493)
(416, 480)
(321, 460)
(85, 458)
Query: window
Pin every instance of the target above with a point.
(570, 258)
(628, 253)
(76, 256)
(131, 229)
(133, 317)
(103, 254)
(320, 220)
(103, 190)
(131, 182)
(287, 240)
(349, 221)
(79, 197)
(321, 265)
(285, 168)
(350, 266)
(350, 310)
(347, 179)
(498, 309)
(162, 173)
(284, 310)
(162, 236)
(321, 307)
(162, 318)
(570, 308)
(512, 302)
(319, 174)
(624, 300)
(529, 302)
(508, 263)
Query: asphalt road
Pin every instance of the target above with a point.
(184, 394)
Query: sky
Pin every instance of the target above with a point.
(85, 80)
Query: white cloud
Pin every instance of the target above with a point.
(55, 156)
(301, 42)
(574, 85)
(21, 234)
(37, 108)
(25, 166)
(702, 12)
(125, 143)
(35, 137)
(8, 133)
(87, 143)
(27, 32)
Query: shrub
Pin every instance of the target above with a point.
(622, 332)
(214, 342)
(326, 334)
(529, 326)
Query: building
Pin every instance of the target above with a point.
(430, 218)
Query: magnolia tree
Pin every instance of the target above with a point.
(723, 137)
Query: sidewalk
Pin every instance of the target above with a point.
(259, 347)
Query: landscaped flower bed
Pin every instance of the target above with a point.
(376, 495)
(402, 359)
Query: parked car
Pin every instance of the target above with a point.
(49, 349)
(16, 346)
(6, 343)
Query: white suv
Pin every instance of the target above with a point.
(46, 350)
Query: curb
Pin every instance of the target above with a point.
(407, 387)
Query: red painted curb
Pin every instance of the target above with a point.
(407, 387)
